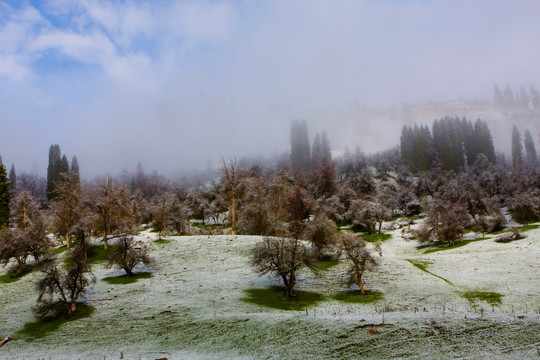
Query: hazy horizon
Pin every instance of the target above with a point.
(177, 84)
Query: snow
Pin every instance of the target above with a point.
(192, 307)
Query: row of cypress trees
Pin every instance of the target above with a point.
(452, 144)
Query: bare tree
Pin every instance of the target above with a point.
(62, 289)
(68, 206)
(360, 259)
(231, 186)
(525, 209)
(129, 254)
(283, 258)
(112, 210)
(445, 222)
(321, 232)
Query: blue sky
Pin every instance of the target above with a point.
(176, 84)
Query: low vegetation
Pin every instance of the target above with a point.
(275, 297)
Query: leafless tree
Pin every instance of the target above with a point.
(62, 289)
(112, 210)
(321, 232)
(446, 221)
(369, 214)
(23, 209)
(69, 207)
(525, 207)
(360, 259)
(231, 183)
(129, 254)
(283, 258)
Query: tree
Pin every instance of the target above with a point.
(360, 259)
(445, 222)
(111, 209)
(24, 209)
(368, 214)
(517, 150)
(62, 289)
(129, 254)
(69, 206)
(231, 188)
(168, 213)
(74, 171)
(53, 170)
(300, 155)
(283, 258)
(13, 179)
(321, 232)
(530, 150)
(525, 208)
(5, 197)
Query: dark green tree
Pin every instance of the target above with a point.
(74, 171)
(53, 171)
(530, 150)
(13, 178)
(517, 149)
(5, 197)
(300, 152)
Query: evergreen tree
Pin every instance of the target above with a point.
(74, 171)
(316, 152)
(300, 151)
(325, 146)
(13, 178)
(53, 171)
(484, 142)
(508, 96)
(497, 96)
(517, 149)
(5, 197)
(530, 150)
(534, 98)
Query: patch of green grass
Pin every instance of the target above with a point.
(162, 241)
(327, 262)
(60, 249)
(356, 297)
(529, 227)
(123, 279)
(274, 297)
(492, 298)
(10, 277)
(376, 237)
(422, 265)
(209, 227)
(42, 327)
(97, 253)
(435, 247)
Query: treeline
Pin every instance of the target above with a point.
(453, 144)
(520, 99)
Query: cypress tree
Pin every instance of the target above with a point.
(53, 171)
(316, 152)
(517, 149)
(74, 171)
(13, 178)
(5, 197)
(325, 146)
(300, 151)
(530, 150)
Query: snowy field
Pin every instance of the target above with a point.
(193, 308)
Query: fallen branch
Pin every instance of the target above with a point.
(6, 339)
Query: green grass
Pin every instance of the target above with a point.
(43, 327)
(356, 297)
(162, 241)
(376, 237)
(423, 264)
(97, 253)
(274, 297)
(529, 227)
(327, 262)
(10, 277)
(209, 227)
(434, 247)
(123, 279)
(60, 249)
(492, 298)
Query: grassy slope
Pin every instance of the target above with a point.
(193, 307)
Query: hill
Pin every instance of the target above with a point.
(481, 300)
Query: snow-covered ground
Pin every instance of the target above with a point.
(192, 308)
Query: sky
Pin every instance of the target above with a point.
(178, 84)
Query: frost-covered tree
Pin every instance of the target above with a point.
(282, 258)
(13, 179)
(129, 254)
(359, 258)
(321, 232)
(231, 188)
(69, 206)
(62, 289)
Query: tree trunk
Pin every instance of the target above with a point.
(233, 213)
(68, 240)
(72, 308)
(105, 243)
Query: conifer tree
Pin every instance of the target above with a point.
(325, 146)
(13, 178)
(517, 149)
(74, 171)
(300, 151)
(53, 171)
(5, 197)
(316, 152)
(530, 150)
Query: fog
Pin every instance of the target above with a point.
(178, 84)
